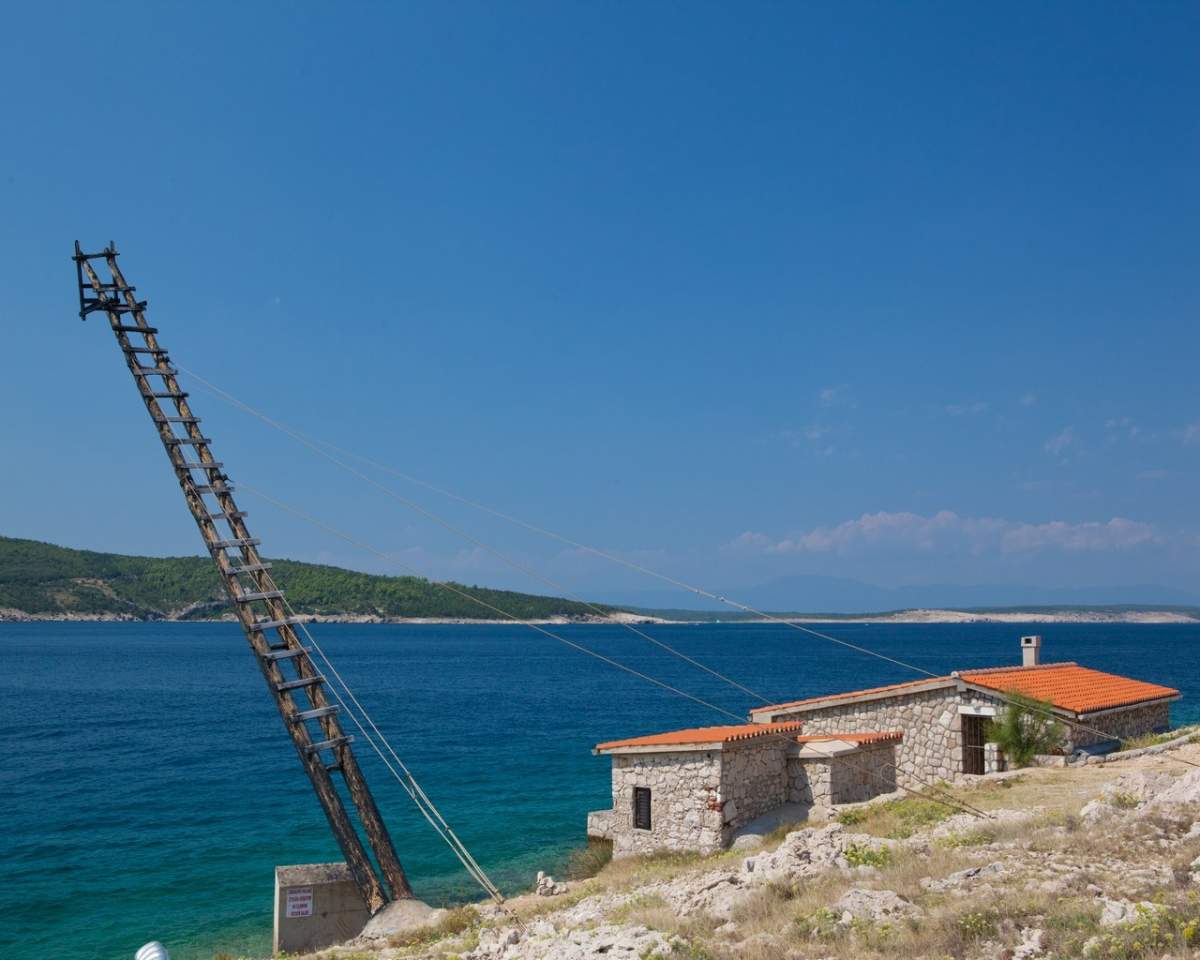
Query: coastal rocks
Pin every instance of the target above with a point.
(606, 940)
(1096, 810)
(964, 824)
(546, 887)
(1117, 912)
(1030, 944)
(874, 906)
(715, 894)
(494, 942)
(964, 880)
(806, 852)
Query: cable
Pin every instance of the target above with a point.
(952, 801)
(463, 534)
(315, 445)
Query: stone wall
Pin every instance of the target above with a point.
(809, 781)
(1130, 722)
(753, 780)
(932, 745)
(843, 778)
(865, 773)
(685, 801)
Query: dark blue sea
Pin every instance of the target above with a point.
(147, 787)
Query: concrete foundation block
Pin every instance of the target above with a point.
(316, 906)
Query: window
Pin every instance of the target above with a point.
(641, 808)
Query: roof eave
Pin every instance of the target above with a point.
(604, 751)
(1170, 698)
(842, 699)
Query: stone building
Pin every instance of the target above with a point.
(944, 718)
(695, 789)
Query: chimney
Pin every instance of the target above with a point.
(1031, 651)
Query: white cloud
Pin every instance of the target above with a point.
(837, 396)
(967, 409)
(1057, 445)
(1125, 425)
(815, 436)
(948, 531)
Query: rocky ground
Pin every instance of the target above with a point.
(1094, 861)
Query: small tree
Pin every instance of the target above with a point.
(1026, 729)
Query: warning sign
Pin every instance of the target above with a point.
(300, 902)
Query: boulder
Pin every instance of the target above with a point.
(1030, 945)
(546, 887)
(1117, 912)
(806, 852)
(874, 905)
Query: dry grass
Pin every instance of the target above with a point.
(897, 818)
(455, 922)
(1153, 739)
(590, 860)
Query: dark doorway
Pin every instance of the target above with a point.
(973, 739)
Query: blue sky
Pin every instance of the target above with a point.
(904, 293)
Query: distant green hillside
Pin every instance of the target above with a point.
(43, 579)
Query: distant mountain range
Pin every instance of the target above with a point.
(813, 593)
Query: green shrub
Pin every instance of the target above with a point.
(862, 855)
(971, 838)
(1026, 729)
(1153, 932)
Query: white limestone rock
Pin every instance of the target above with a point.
(546, 887)
(806, 852)
(610, 941)
(1096, 810)
(1031, 944)
(1117, 912)
(963, 880)
(714, 894)
(875, 905)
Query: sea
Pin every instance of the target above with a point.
(148, 789)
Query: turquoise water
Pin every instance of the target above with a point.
(149, 790)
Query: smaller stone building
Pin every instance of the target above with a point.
(694, 789)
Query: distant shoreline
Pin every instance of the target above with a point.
(916, 616)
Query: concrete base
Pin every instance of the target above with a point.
(316, 906)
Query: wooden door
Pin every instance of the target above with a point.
(973, 741)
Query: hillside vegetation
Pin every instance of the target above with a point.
(41, 579)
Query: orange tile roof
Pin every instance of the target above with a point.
(695, 735)
(881, 736)
(851, 693)
(1069, 686)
